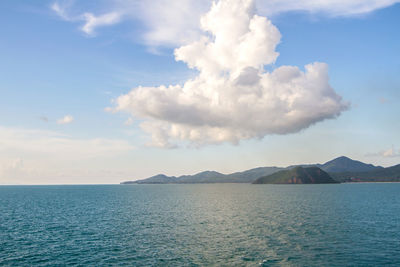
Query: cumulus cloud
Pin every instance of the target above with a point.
(233, 98)
(65, 120)
(168, 22)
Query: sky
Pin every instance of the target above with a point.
(107, 91)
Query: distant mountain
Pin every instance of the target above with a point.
(390, 174)
(297, 175)
(251, 175)
(156, 179)
(342, 168)
(202, 177)
(345, 164)
(209, 177)
(342, 164)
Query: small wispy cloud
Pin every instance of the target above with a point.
(60, 11)
(91, 21)
(65, 120)
(388, 153)
(129, 122)
(392, 152)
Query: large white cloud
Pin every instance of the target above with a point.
(233, 97)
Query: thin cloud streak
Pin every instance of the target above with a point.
(174, 23)
(55, 144)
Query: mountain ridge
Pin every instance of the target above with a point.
(389, 174)
(341, 168)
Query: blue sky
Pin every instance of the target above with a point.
(50, 68)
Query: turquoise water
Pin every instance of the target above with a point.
(197, 225)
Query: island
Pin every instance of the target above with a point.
(298, 175)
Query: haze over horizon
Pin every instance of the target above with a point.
(101, 93)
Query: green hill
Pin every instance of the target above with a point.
(298, 175)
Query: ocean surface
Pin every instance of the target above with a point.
(201, 225)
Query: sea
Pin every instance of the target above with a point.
(200, 225)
